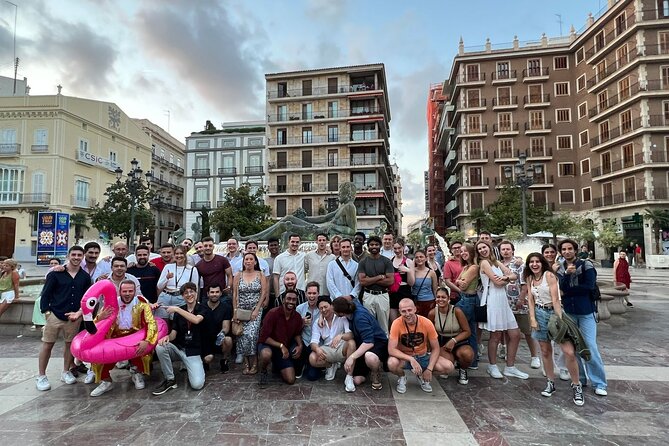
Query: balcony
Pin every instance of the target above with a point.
(537, 127)
(505, 155)
(320, 91)
(626, 25)
(614, 133)
(473, 183)
(254, 170)
(505, 102)
(536, 100)
(501, 77)
(473, 156)
(200, 173)
(614, 66)
(539, 182)
(619, 199)
(197, 205)
(40, 199)
(470, 79)
(82, 202)
(539, 152)
(226, 171)
(625, 166)
(474, 105)
(324, 114)
(39, 148)
(10, 149)
(302, 188)
(480, 130)
(505, 129)
(535, 74)
(313, 139)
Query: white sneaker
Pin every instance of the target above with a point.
(90, 377)
(564, 375)
(514, 372)
(493, 371)
(105, 386)
(402, 384)
(138, 379)
(239, 359)
(601, 392)
(535, 362)
(425, 385)
(42, 383)
(501, 352)
(330, 372)
(68, 377)
(350, 385)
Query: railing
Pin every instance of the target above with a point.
(509, 75)
(227, 171)
(10, 149)
(474, 182)
(627, 197)
(254, 170)
(471, 77)
(474, 130)
(660, 193)
(323, 114)
(612, 67)
(320, 91)
(314, 139)
(539, 152)
(615, 99)
(505, 101)
(531, 126)
(39, 148)
(308, 187)
(82, 202)
(536, 98)
(657, 156)
(38, 198)
(201, 172)
(501, 128)
(353, 161)
(617, 165)
(475, 103)
(616, 132)
(535, 72)
(539, 180)
(474, 155)
(200, 204)
(629, 21)
(506, 153)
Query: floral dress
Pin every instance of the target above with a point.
(248, 296)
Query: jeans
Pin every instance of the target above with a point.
(170, 352)
(595, 367)
(467, 303)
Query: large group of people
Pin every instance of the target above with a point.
(357, 304)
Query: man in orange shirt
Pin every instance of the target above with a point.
(409, 337)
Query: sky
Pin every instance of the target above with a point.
(198, 60)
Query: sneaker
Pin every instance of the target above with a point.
(301, 371)
(349, 384)
(165, 386)
(425, 385)
(501, 352)
(376, 380)
(564, 375)
(263, 379)
(578, 394)
(549, 390)
(90, 377)
(630, 304)
(601, 392)
(330, 372)
(493, 371)
(68, 377)
(81, 368)
(74, 371)
(104, 387)
(535, 362)
(138, 379)
(474, 367)
(42, 383)
(463, 379)
(225, 367)
(239, 359)
(513, 371)
(402, 384)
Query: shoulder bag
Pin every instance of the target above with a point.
(346, 274)
(481, 310)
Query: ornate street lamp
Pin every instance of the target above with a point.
(134, 187)
(524, 177)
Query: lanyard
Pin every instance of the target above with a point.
(411, 337)
(442, 322)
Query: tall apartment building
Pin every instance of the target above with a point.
(592, 109)
(219, 159)
(326, 127)
(167, 180)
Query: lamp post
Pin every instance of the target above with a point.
(524, 178)
(158, 204)
(134, 188)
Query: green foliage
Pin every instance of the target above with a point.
(414, 238)
(113, 217)
(609, 237)
(514, 233)
(79, 221)
(584, 230)
(241, 210)
(507, 211)
(660, 218)
(480, 218)
(206, 224)
(455, 236)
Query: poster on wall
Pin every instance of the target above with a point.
(53, 229)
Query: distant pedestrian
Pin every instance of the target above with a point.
(621, 274)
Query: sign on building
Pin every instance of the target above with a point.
(53, 229)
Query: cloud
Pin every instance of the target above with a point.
(413, 193)
(327, 10)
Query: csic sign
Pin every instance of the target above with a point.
(96, 161)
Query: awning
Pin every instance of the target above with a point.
(369, 195)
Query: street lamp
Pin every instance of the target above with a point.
(158, 204)
(134, 188)
(524, 176)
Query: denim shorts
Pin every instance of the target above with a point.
(423, 360)
(542, 316)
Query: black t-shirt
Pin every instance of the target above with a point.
(213, 320)
(186, 329)
(148, 281)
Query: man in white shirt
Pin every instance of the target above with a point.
(316, 264)
(120, 249)
(339, 284)
(235, 257)
(387, 245)
(333, 342)
(289, 260)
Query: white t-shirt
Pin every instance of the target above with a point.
(285, 262)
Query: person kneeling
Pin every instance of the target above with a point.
(407, 348)
(332, 343)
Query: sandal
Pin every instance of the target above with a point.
(253, 370)
(246, 370)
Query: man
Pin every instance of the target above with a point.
(251, 246)
(280, 341)
(358, 246)
(310, 313)
(213, 268)
(119, 273)
(273, 248)
(290, 283)
(134, 314)
(147, 274)
(331, 344)
(187, 243)
(334, 246)
(409, 338)
(235, 256)
(289, 260)
(585, 254)
(387, 248)
(342, 275)
(183, 343)
(217, 327)
(577, 280)
(376, 274)
(120, 249)
(90, 263)
(61, 303)
(148, 242)
(317, 263)
(194, 258)
(371, 342)
(166, 256)
(453, 268)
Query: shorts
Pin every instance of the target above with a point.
(542, 316)
(54, 326)
(168, 300)
(381, 350)
(333, 355)
(7, 297)
(278, 363)
(395, 298)
(423, 360)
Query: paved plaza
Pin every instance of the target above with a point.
(232, 410)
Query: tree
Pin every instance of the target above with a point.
(507, 211)
(609, 237)
(242, 210)
(455, 236)
(562, 223)
(514, 233)
(79, 221)
(113, 217)
(480, 217)
(660, 219)
(206, 224)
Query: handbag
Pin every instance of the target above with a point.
(242, 315)
(481, 310)
(236, 328)
(395, 287)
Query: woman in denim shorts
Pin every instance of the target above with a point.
(544, 300)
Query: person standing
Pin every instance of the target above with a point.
(425, 284)
(9, 283)
(375, 273)
(468, 299)
(146, 273)
(359, 246)
(387, 245)
(431, 262)
(90, 263)
(453, 267)
(316, 264)
(248, 293)
(334, 245)
(342, 277)
(621, 274)
(292, 259)
(251, 247)
(234, 256)
(214, 268)
(403, 266)
(173, 276)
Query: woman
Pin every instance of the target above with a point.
(248, 290)
(550, 253)
(9, 283)
(454, 333)
(494, 278)
(173, 276)
(432, 263)
(425, 284)
(468, 282)
(38, 318)
(334, 246)
(544, 301)
(621, 274)
(404, 266)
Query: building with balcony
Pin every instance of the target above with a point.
(167, 181)
(592, 108)
(219, 159)
(326, 127)
(59, 153)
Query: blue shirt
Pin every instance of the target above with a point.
(576, 288)
(365, 328)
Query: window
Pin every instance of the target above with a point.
(603, 100)
(333, 133)
(564, 142)
(112, 156)
(626, 121)
(560, 63)
(663, 38)
(504, 122)
(600, 41)
(607, 193)
(621, 24)
(307, 205)
(473, 98)
(537, 146)
(332, 85)
(534, 67)
(11, 184)
(475, 200)
(474, 149)
(281, 136)
(662, 8)
(566, 196)
(474, 124)
(583, 138)
(628, 155)
(505, 148)
(629, 188)
(535, 93)
(333, 109)
(83, 145)
(363, 132)
(307, 185)
(307, 111)
(41, 137)
(281, 207)
(622, 56)
(162, 153)
(475, 176)
(600, 70)
(281, 160)
(282, 113)
(178, 162)
(201, 162)
(604, 131)
(81, 194)
(664, 75)
(585, 166)
(503, 70)
(171, 158)
(539, 198)
(307, 136)
(504, 95)
(333, 182)
(536, 120)
(281, 183)
(282, 89)
(566, 169)
(306, 158)
(364, 180)
(582, 110)
(306, 87)
(605, 160)
(333, 158)
(665, 112)
(562, 89)
(624, 88)
(586, 195)
(580, 83)
(580, 55)
(563, 115)
(472, 73)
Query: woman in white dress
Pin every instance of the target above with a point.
(494, 277)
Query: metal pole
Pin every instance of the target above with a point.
(131, 242)
(523, 188)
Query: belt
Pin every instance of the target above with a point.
(375, 292)
(173, 293)
(544, 306)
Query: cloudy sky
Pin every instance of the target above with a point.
(207, 59)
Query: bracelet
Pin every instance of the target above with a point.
(429, 370)
(454, 340)
(280, 346)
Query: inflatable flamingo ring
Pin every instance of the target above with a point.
(92, 344)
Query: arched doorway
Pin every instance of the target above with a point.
(7, 236)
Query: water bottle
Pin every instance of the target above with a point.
(219, 338)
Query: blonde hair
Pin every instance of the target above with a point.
(12, 263)
(492, 259)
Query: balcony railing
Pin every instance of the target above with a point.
(320, 91)
(505, 128)
(254, 170)
(10, 149)
(536, 99)
(82, 202)
(508, 75)
(541, 180)
(323, 114)
(537, 126)
(505, 101)
(612, 67)
(629, 21)
(473, 155)
(506, 153)
(627, 197)
(39, 198)
(617, 165)
(313, 139)
(539, 152)
(200, 204)
(473, 182)
(39, 148)
(466, 78)
(227, 171)
(473, 130)
(199, 173)
(475, 103)
(307, 187)
(618, 131)
(535, 72)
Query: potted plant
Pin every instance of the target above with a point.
(610, 239)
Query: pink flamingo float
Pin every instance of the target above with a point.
(92, 344)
